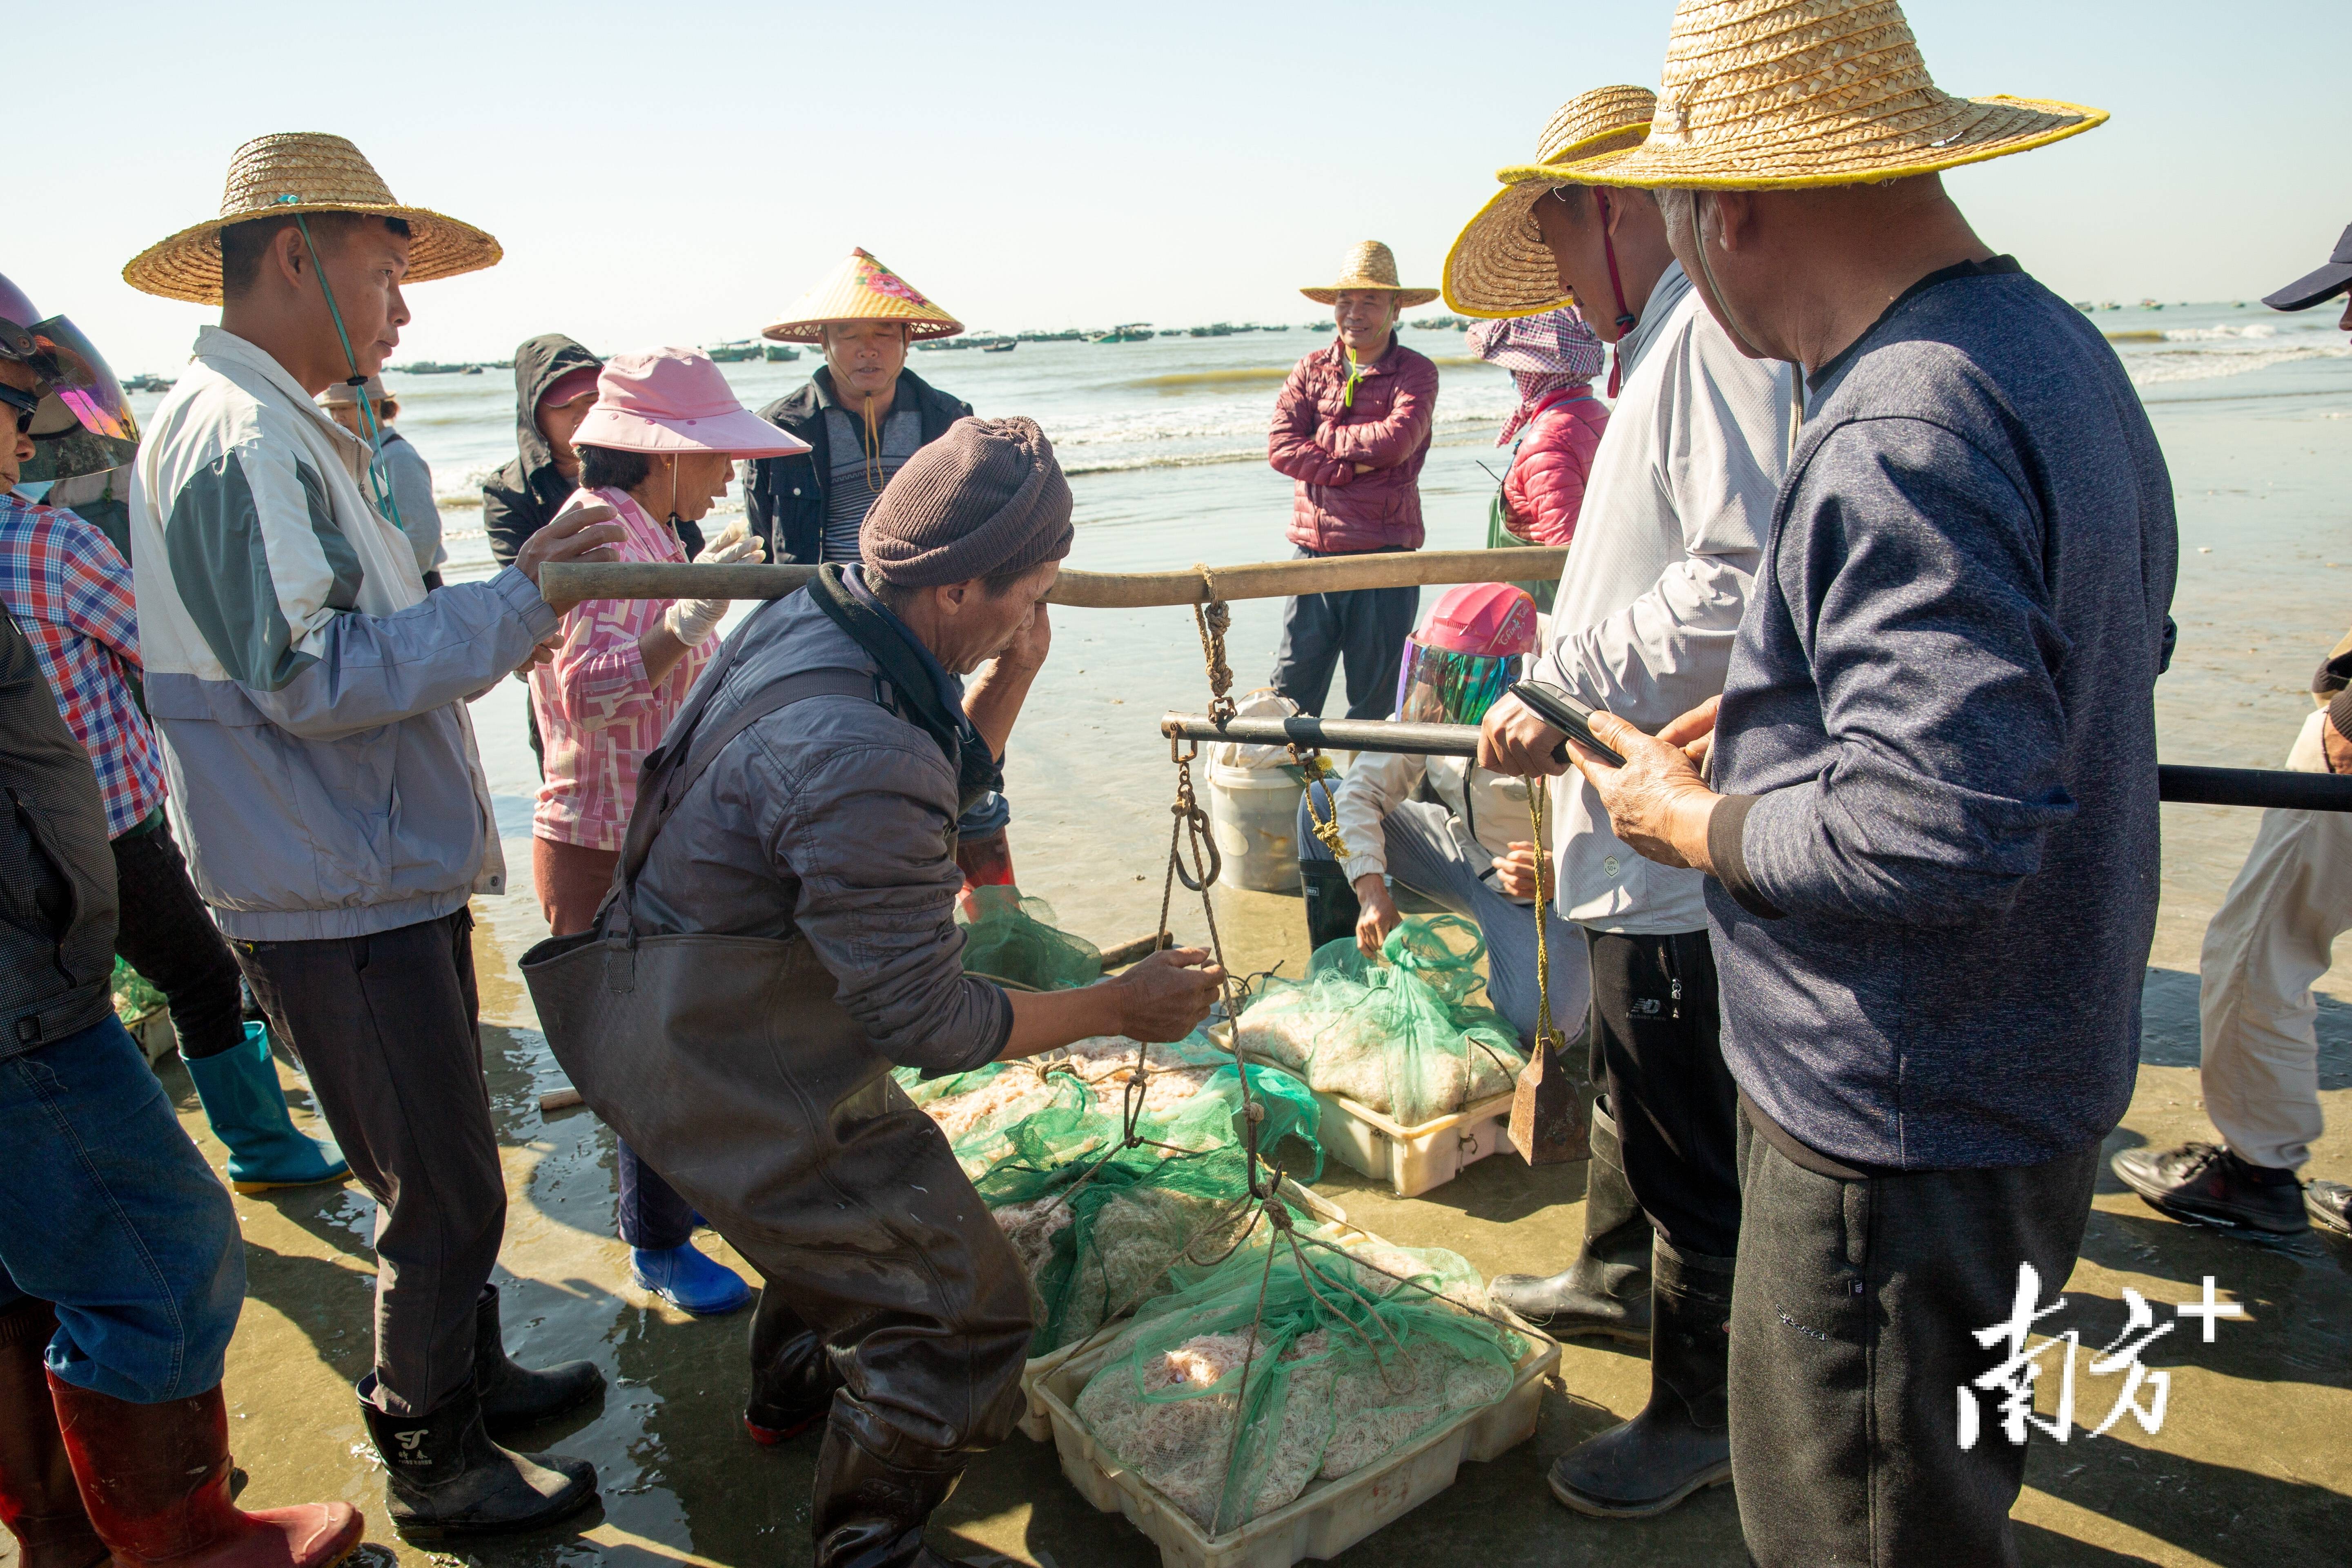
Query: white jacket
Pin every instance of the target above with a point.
(1675, 512)
(1490, 811)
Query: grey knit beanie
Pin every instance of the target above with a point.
(985, 497)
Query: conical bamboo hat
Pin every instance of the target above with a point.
(1499, 264)
(1777, 94)
(861, 290)
(303, 171)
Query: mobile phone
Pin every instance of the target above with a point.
(1562, 711)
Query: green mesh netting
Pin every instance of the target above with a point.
(1099, 1223)
(134, 996)
(1013, 939)
(1405, 1037)
(1293, 1365)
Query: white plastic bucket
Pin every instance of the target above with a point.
(1253, 813)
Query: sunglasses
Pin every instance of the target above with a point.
(25, 404)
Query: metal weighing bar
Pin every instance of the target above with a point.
(2262, 787)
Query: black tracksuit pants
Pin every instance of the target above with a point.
(1656, 1044)
(168, 936)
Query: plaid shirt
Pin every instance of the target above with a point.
(70, 591)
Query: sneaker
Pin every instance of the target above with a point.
(687, 1280)
(2325, 1203)
(2204, 1184)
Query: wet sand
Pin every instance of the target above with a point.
(2246, 1472)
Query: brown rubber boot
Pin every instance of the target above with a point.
(39, 1500)
(155, 1480)
(869, 1514)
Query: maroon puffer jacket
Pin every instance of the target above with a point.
(1318, 439)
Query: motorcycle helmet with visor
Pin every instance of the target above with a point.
(1467, 652)
(80, 420)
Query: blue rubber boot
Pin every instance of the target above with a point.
(248, 1112)
(687, 1280)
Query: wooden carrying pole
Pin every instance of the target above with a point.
(1091, 589)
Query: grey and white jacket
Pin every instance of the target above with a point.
(310, 697)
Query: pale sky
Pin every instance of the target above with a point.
(678, 172)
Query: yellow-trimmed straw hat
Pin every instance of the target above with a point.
(861, 290)
(1778, 94)
(1371, 264)
(303, 171)
(1499, 264)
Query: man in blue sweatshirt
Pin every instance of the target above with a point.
(1932, 825)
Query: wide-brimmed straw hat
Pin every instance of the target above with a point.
(1781, 94)
(1499, 264)
(303, 171)
(676, 400)
(1371, 264)
(861, 290)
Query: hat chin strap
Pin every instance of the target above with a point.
(372, 432)
(1626, 319)
(1706, 268)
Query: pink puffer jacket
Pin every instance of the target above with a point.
(1319, 438)
(1545, 488)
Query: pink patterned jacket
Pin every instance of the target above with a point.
(598, 714)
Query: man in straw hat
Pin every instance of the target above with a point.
(1671, 527)
(2272, 937)
(311, 702)
(1351, 429)
(785, 935)
(1932, 819)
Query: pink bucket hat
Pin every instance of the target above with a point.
(675, 400)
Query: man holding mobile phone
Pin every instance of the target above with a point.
(1674, 519)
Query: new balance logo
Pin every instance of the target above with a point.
(1646, 1007)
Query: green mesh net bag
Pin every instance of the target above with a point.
(1100, 1222)
(1013, 940)
(1406, 1036)
(1296, 1363)
(134, 996)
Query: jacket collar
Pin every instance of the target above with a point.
(219, 346)
(1337, 356)
(1673, 284)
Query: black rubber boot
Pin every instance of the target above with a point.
(2207, 1185)
(1606, 1290)
(444, 1477)
(792, 1378)
(1681, 1441)
(1331, 903)
(867, 1514)
(512, 1396)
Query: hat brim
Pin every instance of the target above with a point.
(811, 331)
(1499, 266)
(1969, 131)
(740, 434)
(1405, 297)
(187, 265)
(2312, 288)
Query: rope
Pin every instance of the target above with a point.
(377, 481)
(1215, 617)
(1544, 1031)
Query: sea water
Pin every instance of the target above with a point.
(1165, 444)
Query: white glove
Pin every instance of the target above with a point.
(692, 620)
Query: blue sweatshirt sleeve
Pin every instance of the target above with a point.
(1918, 564)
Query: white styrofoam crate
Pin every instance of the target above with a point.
(1329, 1517)
(1039, 1425)
(1412, 1160)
